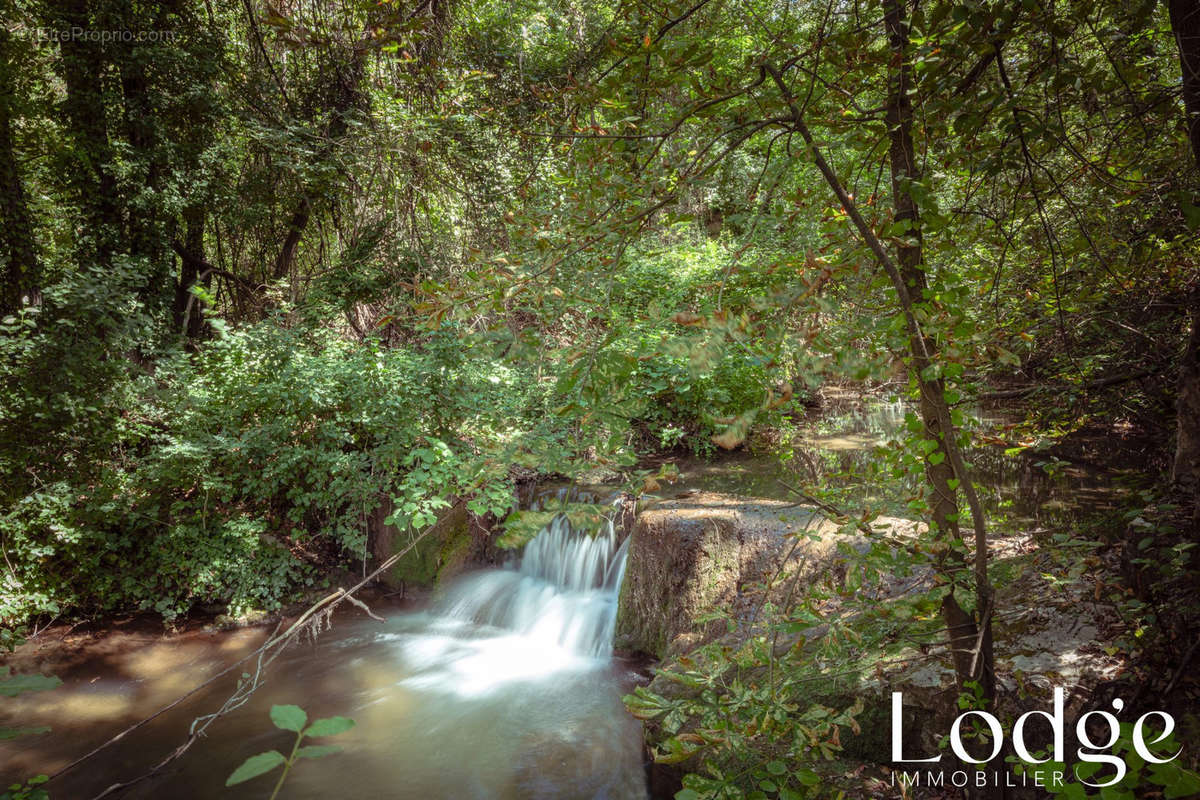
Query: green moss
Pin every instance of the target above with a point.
(418, 566)
(424, 564)
(637, 629)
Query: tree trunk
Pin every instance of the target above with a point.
(1185, 23)
(1186, 471)
(939, 469)
(188, 313)
(287, 253)
(22, 273)
(87, 122)
(346, 96)
(147, 221)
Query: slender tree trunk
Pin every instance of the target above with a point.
(347, 97)
(973, 658)
(1186, 470)
(1185, 22)
(980, 667)
(296, 226)
(22, 272)
(187, 309)
(147, 222)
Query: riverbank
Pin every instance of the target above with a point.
(1045, 503)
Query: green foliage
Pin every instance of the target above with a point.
(291, 718)
(548, 234)
(685, 398)
(21, 684)
(13, 686)
(29, 790)
(760, 717)
(521, 526)
(242, 463)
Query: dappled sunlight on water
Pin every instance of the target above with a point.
(844, 448)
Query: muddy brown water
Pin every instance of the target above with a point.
(442, 711)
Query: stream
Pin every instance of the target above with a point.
(504, 686)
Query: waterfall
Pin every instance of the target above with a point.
(552, 610)
(562, 593)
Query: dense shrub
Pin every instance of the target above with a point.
(683, 403)
(237, 466)
(679, 363)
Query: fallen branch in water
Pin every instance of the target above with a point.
(277, 642)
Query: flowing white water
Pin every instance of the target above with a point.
(562, 594)
(554, 610)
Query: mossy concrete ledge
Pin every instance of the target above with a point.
(458, 542)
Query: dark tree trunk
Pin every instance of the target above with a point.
(83, 68)
(22, 272)
(187, 308)
(296, 226)
(1186, 471)
(346, 95)
(149, 223)
(910, 257)
(956, 619)
(140, 134)
(1185, 22)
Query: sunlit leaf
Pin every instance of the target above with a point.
(20, 684)
(330, 726)
(254, 766)
(289, 717)
(318, 751)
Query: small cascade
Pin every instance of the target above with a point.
(562, 593)
(552, 612)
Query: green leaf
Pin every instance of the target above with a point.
(807, 777)
(318, 751)
(289, 718)
(1191, 213)
(1184, 783)
(330, 726)
(254, 766)
(776, 767)
(20, 684)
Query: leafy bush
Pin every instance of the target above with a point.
(239, 465)
(685, 401)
